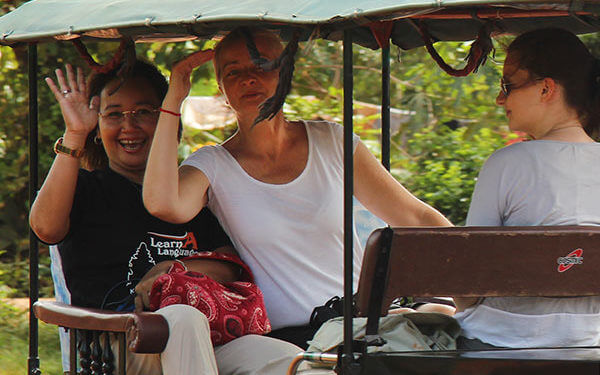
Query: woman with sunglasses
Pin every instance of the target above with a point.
(550, 90)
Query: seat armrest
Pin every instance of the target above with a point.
(146, 332)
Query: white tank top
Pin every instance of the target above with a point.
(290, 235)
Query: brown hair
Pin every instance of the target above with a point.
(560, 55)
(94, 155)
(285, 63)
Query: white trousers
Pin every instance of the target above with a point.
(190, 351)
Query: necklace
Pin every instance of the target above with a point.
(569, 133)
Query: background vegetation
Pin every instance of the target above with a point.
(14, 350)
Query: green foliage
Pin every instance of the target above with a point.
(444, 163)
(14, 331)
(314, 108)
(417, 84)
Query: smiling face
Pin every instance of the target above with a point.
(244, 84)
(127, 142)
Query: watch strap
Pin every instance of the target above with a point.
(59, 148)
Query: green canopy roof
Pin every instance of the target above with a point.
(150, 20)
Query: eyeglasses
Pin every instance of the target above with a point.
(506, 88)
(139, 116)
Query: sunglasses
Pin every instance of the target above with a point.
(507, 87)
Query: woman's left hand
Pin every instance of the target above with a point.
(179, 84)
(79, 113)
(143, 288)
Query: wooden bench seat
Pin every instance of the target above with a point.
(558, 261)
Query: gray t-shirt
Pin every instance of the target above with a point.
(537, 183)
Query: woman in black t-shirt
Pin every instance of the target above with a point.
(107, 240)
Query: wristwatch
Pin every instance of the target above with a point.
(59, 148)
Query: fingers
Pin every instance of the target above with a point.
(57, 94)
(62, 82)
(95, 103)
(139, 293)
(142, 297)
(73, 85)
(200, 57)
(73, 82)
(194, 60)
(139, 305)
(146, 299)
(81, 81)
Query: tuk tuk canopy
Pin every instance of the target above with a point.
(160, 20)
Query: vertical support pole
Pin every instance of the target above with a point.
(34, 360)
(347, 356)
(385, 107)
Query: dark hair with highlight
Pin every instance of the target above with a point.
(241, 33)
(285, 63)
(559, 54)
(94, 155)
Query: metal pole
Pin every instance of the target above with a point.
(347, 357)
(385, 107)
(34, 360)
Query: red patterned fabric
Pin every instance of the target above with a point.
(233, 309)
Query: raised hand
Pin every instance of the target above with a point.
(179, 84)
(80, 115)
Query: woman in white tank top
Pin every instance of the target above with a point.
(275, 185)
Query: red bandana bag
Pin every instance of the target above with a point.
(233, 309)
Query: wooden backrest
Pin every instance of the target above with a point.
(480, 261)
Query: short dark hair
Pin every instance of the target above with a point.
(94, 155)
(559, 54)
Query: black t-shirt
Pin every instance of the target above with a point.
(113, 241)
